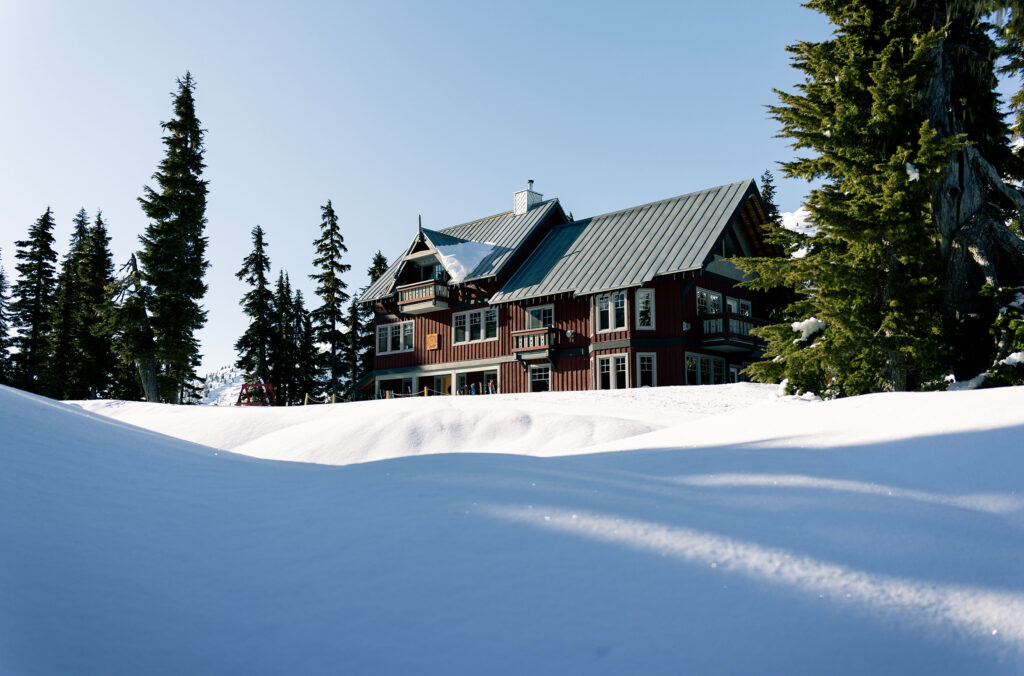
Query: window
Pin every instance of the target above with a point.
(611, 311)
(611, 372)
(645, 308)
(737, 306)
(540, 378)
(540, 317)
(646, 369)
(475, 325)
(397, 337)
(704, 370)
(439, 273)
(708, 302)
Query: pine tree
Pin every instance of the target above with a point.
(768, 195)
(96, 276)
(32, 305)
(64, 376)
(352, 350)
(173, 256)
(6, 376)
(868, 312)
(252, 347)
(329, 318)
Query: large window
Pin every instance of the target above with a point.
(540, 317)
(708, 302)
(704, 370)
(611, 372)
(611, 311)
(645, 308)
(646, 369)
(737, 306)
(397, 337)
(540, 378)
(475, 325)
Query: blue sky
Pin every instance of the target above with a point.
(390, 109)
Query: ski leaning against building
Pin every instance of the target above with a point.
(529, 300)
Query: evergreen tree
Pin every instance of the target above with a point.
(352, 350)
(64, 376)
(6, 376)
(329, 318)
(173, 256)
(366, 348)
(281, 346)
(96, 277)
(252, 347)
(768, 195)
(132, 331)
(870, 295)
(307, 356)
(32, 304)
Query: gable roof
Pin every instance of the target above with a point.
(505, 232)
(629, 247)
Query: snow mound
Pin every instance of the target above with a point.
(743, 534)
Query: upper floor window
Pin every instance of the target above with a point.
(474, 325)
(611, 311)
(708, 302)
(540, 317)
(645, 308)
(737, 306)
(396, 337)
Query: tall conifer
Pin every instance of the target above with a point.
(307, 355)
(329, 318)
(32, 301)
(377, 268)
(96, 277)
(6, 377)
(64, 378)
(252, 346)
(173, 256)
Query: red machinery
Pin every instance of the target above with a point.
(256, 394)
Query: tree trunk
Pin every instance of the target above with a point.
(147, 376)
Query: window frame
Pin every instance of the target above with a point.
(610, 299)
(538, 369)
(709, 295)
(716, 365)
(613, 371)
(654, 368)
(483, 314)
(639, 325)
(740, 303)
(404, 330)
(550, 307)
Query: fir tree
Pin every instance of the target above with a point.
(768, 195)
(329, 318)
(32, 304)
(173, 256)
(307, 356)
(132, 331)
(281, 346)
(252, 347)
(64, 376)
(377, 268)
(353, 348)
(96, 277)
(6, 377)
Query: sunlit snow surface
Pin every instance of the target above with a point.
(672, 530)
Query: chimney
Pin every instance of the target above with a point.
(524, 200)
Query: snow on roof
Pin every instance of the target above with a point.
(460, 260)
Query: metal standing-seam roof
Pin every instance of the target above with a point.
(505, 231)
(629, 247)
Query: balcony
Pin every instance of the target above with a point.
(727, 332)
(421, 297)
(534, 343)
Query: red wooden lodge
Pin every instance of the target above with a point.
(529, 300)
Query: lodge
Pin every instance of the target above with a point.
(531, 300)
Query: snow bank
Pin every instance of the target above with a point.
(808, 328)
(741, 533)
(461, 259)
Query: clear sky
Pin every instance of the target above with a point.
(390, 109)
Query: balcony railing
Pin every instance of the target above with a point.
(423, 296)
(534, 339)
(730, 332)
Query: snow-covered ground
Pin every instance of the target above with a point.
(712, 529)
(222, 386)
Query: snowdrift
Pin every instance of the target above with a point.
(727, 532)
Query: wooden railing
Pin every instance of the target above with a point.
(534, 339)
(728, 324)
(421, 291)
